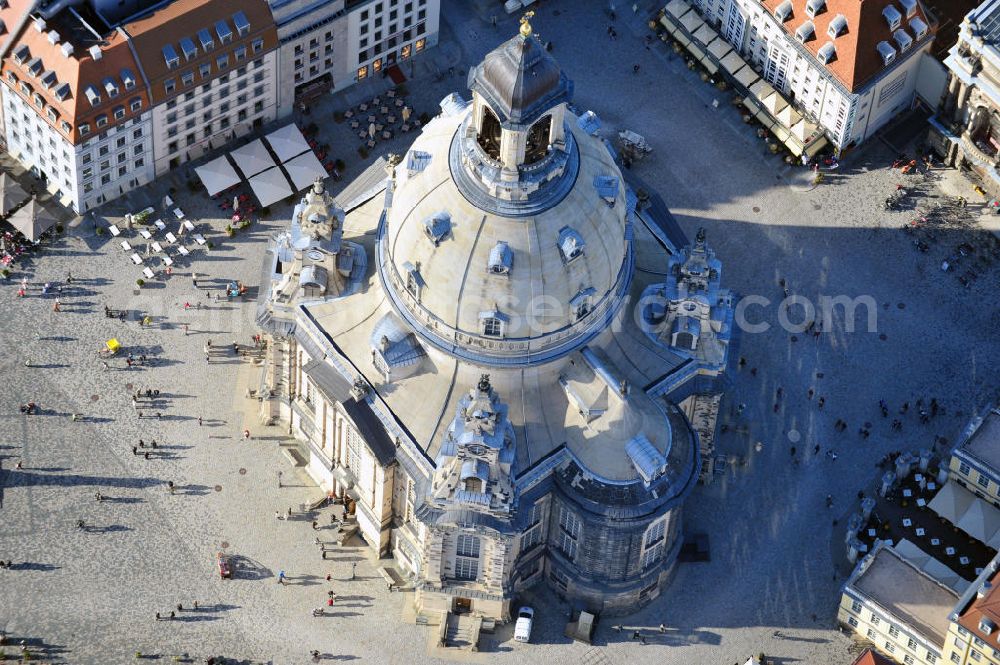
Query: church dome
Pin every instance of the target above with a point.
(511, 281)
(520, 80)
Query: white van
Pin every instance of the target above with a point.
(522, 629)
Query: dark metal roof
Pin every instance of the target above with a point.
(520, 80)
(328, 380)
(371, 430)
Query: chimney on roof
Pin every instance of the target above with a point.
(40, 24)
(67, 49)
(984, 590)
(53, 37)
(95, 52)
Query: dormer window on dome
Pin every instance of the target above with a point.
(501, 259)
(582, 303)
(570, 244)
(437, 227)
(493, 323)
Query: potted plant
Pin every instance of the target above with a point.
(59, 228)
(265, 211)
(5, 272)
(230, 231)
(99, 231)
(140, 282)
(339, 164)
(363, 152)
(338, 117)
(210, 244)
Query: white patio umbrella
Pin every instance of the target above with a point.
(11, 194)
(33, 220)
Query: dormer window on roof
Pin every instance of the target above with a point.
(887, 52)
(51, 114)
(225, 33)
(12, 77)
(119, 112)
(417, 161)
(128, 78)
(827, 52)
(170, 56)
(986, 625)
(501, 259)
(205, 37)
(902, 39)
(910, 7)
(783, 11)
(53, 37)
(102, 120)
(918, 27)
(892, 16)
(647, 460)
(21, 53)
(62, 92)
(814, 7)
(607, 188)
(583, 302)
(93, 96)
(48, 79)
(111, 87)
(188, 47)
(570, 244)
(805, 31)
(25, 89)
(34, 66)
(65, 127)
(837, 27)
(437, 227)
(414, 280)
(242, 24)
(493, 323)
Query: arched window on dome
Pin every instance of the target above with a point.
(489, 134)
(537, 145)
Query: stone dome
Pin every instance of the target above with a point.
(520, 79)
(562, 267)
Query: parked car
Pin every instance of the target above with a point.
(522, 629)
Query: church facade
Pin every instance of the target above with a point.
(471, 358)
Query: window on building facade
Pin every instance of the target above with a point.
(964, 469)
(362, 73)
(240, 53)
(170, 85)
(983, 481)
(856, 606)
(467, 557)
(569, 532)
(653, 543)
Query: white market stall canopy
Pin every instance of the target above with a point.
(218, 175)
(287, 142)
(304, 169)
(252, 158)
(270, 186)
(968, 512)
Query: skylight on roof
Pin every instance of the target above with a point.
(222, 29)
(170, 56)
(205, 37)
(242, 23)
(190, 50)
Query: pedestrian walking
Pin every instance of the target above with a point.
(636, 635)
(279, 477)
(55, 305)
(146, 454)
(187, 306)
(289, 512)
(281, 577)
(170, 486)
(328, 575)
(135, 450)
(821, 402)
(19, 465)
(354, 565)
(663, 628)
(185, 329)
(69, 277)
(635, 68)
(199, 421)
(315, 525)
(277, 515)
(246, 435)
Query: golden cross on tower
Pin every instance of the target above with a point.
(525, 25)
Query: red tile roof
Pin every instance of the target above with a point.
(857, 60)
(184, 18)
(79, 70)
(987, 607)
(870, 657)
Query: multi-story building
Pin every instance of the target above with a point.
(900, 609)
(850, 66)
(330, 45)
(211, 69)
(974, 623)
(100, 97)
(968, 122)
(466, 374)
(76, 109)
(975, 460)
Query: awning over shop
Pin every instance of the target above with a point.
(815, 146)
(252, 158)
(720, 49)
(705, 34)
(270, 186)
(677, 8)
(746, 77)
(787, 115)
(218, 175)
(733, 63)
(304, 169)
(696, 51)
(691, 22)
(287, 142)
(951, 502)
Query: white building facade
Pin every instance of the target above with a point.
(329, 46)
(849, 79)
